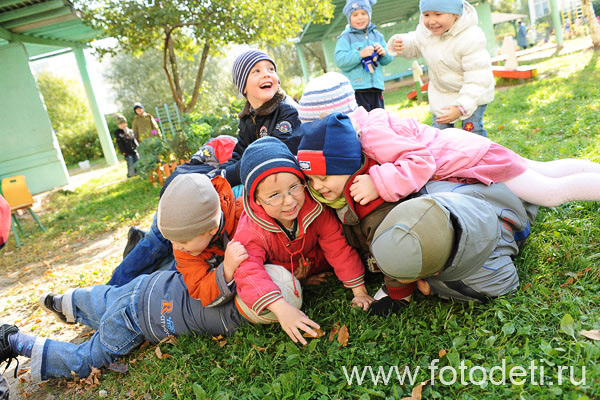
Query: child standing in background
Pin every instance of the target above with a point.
(360, 53)
(127, 144)
(460, 70)
(143, 124)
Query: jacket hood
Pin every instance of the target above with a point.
(466, 20)
(476, 238)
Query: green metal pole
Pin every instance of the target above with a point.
(554, 11)
(105, 141)
(302, 62)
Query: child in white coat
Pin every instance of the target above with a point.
(459, 66)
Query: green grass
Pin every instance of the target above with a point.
(551, 117)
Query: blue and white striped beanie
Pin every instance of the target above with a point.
(324, 95)
(263, 157)
(353, 5)
(445, 6)
(244, 63)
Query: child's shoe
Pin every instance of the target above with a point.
(6, 352)
(134, 236)
(48, 304)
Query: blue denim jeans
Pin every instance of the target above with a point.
(131, 160)
(473, 124)
(149, 255)
(112, 311)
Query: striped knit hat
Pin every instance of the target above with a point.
(244, 63)
(326, 94)
(329, 147)
(266, 156)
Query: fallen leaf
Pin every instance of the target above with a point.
(416, 393)
(320, 333)
(343, 336)
(595, 334)
(334, 330)
(21, 371)
(130, 393)
(118, 367)
(222, 343)
(160, 354)
(217, 338)
(258, 348)
(442, 352)
(169, 339)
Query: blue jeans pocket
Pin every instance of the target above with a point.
(119, 334)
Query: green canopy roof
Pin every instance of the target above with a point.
(43, 26)
(384, 11)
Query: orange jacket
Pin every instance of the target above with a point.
(203, 274)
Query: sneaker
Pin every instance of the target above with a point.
(47, 303)
(384, 304)
(134, 236)
(6, 352)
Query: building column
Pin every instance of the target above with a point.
(105, 141)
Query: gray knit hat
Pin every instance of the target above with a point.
(189, 207)
(414, 240)
(244, 63)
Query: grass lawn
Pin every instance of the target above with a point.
(537, 329)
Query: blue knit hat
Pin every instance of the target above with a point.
(326, 94)
(137, 105)
(329, 147)
(353, 5)
(266, 156)
(445, 6)
(244, 63)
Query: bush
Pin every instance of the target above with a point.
(197, 130)
(77, 147)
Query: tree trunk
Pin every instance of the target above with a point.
(588, 11)
(190, 105)
(174, 83)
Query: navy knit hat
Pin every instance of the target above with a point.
(329, 147)
(353, 5)
(244, 63)
(137, 105)
(266, 156)
(445, 6)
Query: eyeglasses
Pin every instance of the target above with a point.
(277, 199)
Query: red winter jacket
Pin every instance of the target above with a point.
(319, 241)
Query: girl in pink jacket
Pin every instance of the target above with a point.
(410, 154)
(283, 225)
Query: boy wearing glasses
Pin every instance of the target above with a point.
(283, 225)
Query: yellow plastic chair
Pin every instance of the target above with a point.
(15, 191)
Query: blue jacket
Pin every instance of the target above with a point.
(348, 59)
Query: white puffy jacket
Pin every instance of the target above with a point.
(460, 70)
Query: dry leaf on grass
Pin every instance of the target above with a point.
(118, 367)
(334, 331)
(170, 340)
(222, 343)
(160, 354)
(343, 336)
(595, 334)
(442, 352)
(416, 393)
(258, 348)
(320, 333)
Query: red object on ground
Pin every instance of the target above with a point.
(523, 72)
(413, 95)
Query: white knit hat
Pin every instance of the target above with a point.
(324, 95)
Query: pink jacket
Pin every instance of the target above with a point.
(410, 153)
(320, 241)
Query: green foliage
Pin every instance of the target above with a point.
(184, 28)
(151, 152)
(70, 118)
(141, 78)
